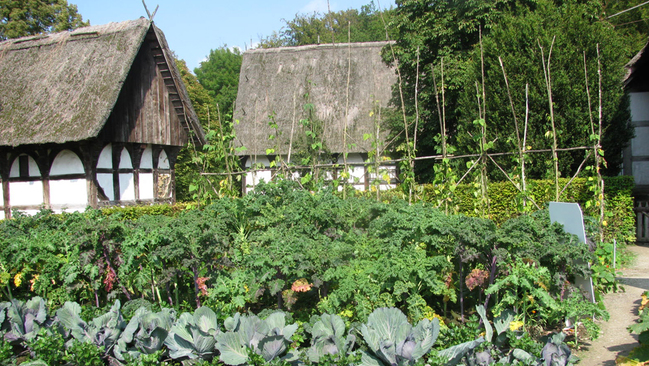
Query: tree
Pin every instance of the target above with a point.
(216, 156)
(19, 18)
(365, 25)
(219, 75)
(449, 31)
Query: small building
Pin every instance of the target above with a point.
(329, 98)
(636, 156)
(91, 117)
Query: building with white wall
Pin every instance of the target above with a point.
(636, 156)
(91, 117)
(328, 99)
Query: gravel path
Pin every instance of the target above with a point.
(615, 339)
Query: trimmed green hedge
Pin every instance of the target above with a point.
(504, 201)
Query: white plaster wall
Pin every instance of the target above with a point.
(147, 158)
(640, 143)
(26, 193)
(254, 178)
(67, 162)
(125, 160)
(68, 195)
(106, 158)
(146, 186)
(32, 170)
(126, 187)
(641, 172)
(2, 215)
(106, 183)
(163, 161)
(639, 106)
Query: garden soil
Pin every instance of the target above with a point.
(615, 340)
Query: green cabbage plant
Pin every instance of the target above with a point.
(392, 341)
(194, 336)
(145, 333)
(328, 338)
(103, 331)
(21, 321)
(268, 338)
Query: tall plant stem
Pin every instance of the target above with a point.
(599, 151)
(414, 139)
(409, 152)
(483, 141)
(548, 83)
(519, 146)
(349, 75)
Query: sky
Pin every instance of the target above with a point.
(194, 27)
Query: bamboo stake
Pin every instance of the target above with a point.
(414, 141)
(519, 146)
(598, 158)
(483, 160)
(548, 83)
(349, 72)
(410, 156)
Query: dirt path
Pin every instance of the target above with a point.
(614, 339)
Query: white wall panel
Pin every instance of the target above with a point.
(125, 160)
(26, 193)
(640, 144)
(641, 172)
(67, 162)
(106, 183)
(106, 158)
(146, 186)
(68, 195)
(126, 187)
(147, 158)
(163, 161)
(639, 106)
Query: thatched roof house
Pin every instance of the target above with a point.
(636, 156)
(101, 109)
(341, 87)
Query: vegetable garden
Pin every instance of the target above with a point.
(331, 280)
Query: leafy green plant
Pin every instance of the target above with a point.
(23, 321)
(642, 326)
(194, 336)
(145, 333)
(102, 331)
(245, 334)
(328, 338)
(391, 340)
(49, 348)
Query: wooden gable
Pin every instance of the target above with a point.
(149, 109)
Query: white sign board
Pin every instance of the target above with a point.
(570, 216)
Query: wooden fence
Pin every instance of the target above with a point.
(642, 221)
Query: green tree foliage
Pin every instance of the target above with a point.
(188, 170)
(365, 25)
(214, 157)
(28, 17)
(449, 32)
(219, 75)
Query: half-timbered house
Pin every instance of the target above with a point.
(341, 87)
(91, 117)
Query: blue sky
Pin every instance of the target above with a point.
(194, 27)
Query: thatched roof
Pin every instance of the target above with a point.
(638, 70)
(282, 81)
(62, 87)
